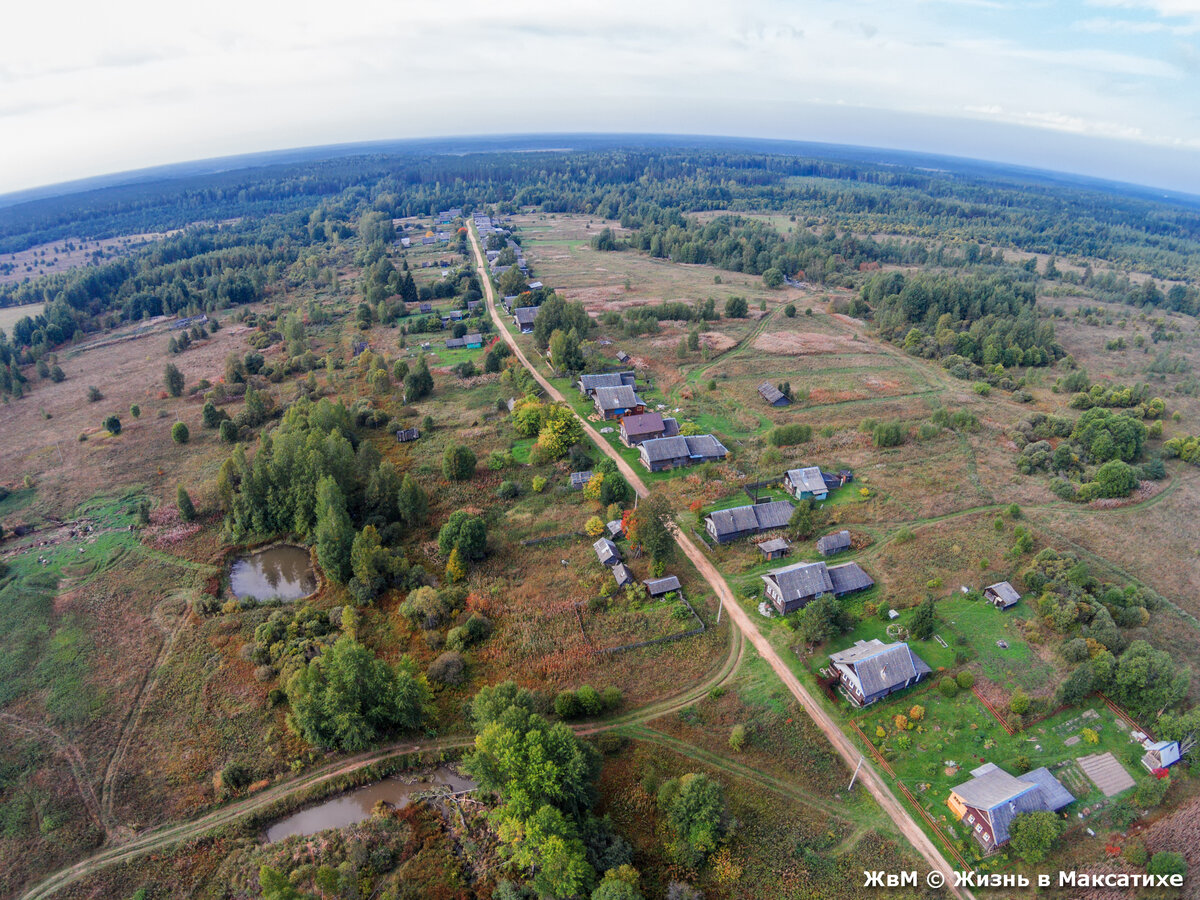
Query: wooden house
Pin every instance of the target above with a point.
(870, 670)
(622, 574)
(660, 454)
(588, 384)
(772, 394)
(725, 525)
(774, 548)
(615, 402)
(794, 587)
(1002, 594)
(407, 435)
(524, 317)
(607, 552)
(987, 804)
(834, 543)
(647, 426)
(806, 483)
(659, 587)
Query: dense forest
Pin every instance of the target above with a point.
(635, 186)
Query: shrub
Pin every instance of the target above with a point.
(507, 490)
(458, 463)
(888, 434)
(94, 394)
(135, 411)
(180, 433)
(1167, 862)
(948, 686)
(788, 435)
(539, 483)
(611, 697)
(228, 431)
(449, 668)
(737, 738)
(965, 680)
(566, 705)
(594, 527)
(590, 703)
(112, 425)
(790, 310)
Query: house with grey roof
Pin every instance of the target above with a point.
(806, 483)
(794, 587)
(774, 548)
(725, 525)
(870, 670)
(772, 394)
(622, 574)
(524, 316)
(659, 587)
(833, 543)
(647, 426)
(607, 552)
(1002, 594)
(987, 804)
(616, 530)
(407, 435)
(587, 384)
(615, 402)
(579, 479)
(676, 452)
(622, 356)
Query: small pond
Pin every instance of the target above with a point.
(356, 805)
(284, 571)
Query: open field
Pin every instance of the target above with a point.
(10, 315)
(70, 253)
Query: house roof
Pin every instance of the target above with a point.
(659, 586)
(832, 543)
(643, 423)
(770, 393)
(1004, 796)
(622, 574)
(807, 479)
(455, 343)
(614, 527)
(694, 446)
(754, 517)
(606, 551)
(579, 479)
(1006, 592)
(879, 666)
(774, 545)
(589, 383)
(475, 338)
(849, 577)
(621, 396)
(525, 314)
(801, 580)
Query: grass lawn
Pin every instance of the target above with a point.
(957, 734)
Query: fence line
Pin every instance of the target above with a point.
(533, 542)
(986, 705)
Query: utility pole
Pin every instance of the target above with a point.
(855, 775)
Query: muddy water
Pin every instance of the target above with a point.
(356, 805)
(284, 571)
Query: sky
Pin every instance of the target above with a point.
(1109, 88)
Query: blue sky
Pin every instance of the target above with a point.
(1100, 87)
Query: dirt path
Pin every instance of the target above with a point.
(842, 744)
(74, 759)
(108, 790)
(168, 835)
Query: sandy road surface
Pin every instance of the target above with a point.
(849, 753)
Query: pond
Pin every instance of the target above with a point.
(284, 571)
(356, 805)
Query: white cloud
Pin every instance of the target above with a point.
(89, 88)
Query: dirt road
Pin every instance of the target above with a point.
(842, 744)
